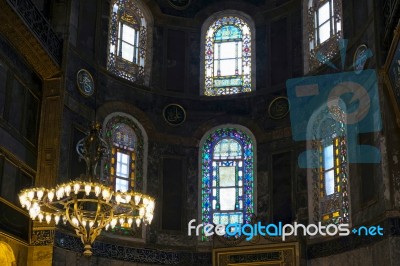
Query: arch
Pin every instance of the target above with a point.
(236, 170)
(130, 40)
(137, 152)
(232, 71)
(322, 29)
(328, 168)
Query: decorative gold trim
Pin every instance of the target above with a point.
(179, 107)
(384, 73)
(288, 254)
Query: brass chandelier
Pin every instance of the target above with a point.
(88, 205)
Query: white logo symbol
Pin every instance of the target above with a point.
(360, 94)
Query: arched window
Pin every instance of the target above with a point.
(227, 176)
(123, 157)
(129, 39)
(125, 170)
(329, 177)
(228, 54)
(324, 29)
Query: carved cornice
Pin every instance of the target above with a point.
(22, 38)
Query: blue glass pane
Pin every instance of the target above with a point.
(227, 82)
(329, 182)
(228, 32)
(328, 157)
(225, 218)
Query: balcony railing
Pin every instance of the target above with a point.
(39, 26)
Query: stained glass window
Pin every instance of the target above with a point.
(123, 157)
(127, 40)
(330, 179)
(227, 177)
(326, 22)
(324, 29)
(125, 168)
(227, 57)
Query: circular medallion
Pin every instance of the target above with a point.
(360, 58)
(174, 114)
(85, 82)
(278, 108)
(179, 4)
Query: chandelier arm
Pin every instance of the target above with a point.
(98, 209)
(67, 215)
(79, 228)
(51, 205)
(76, 211)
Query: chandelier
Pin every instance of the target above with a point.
(88, 205)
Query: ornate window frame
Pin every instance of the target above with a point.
(126, 11)
(208, 141)
(140, 171)
(140, 182)
(336, 207)
(329, 48)
(120, 150)
(251, 59)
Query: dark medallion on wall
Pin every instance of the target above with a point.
(278, 108)
(179, 4)
(174, 114)
(85, 82)
(360, 58)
